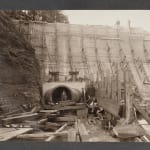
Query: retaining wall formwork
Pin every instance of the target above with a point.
(92, 50)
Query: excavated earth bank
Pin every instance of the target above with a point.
(20, 85)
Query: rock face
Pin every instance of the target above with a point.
(20, 85)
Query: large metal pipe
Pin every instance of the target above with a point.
(54, 94)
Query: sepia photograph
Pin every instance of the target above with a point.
(75, 75)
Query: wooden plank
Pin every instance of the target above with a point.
(36, 122)
(143, 122)
(42, 121)
(145, 126)
(143, 112)
(50, 126)
(53, 124)
(72, 107)
(137, 139)
(19, 118)
(53, 136)
(18, 114)
(5, 130)
(40, 135)
(82, 128)
(13, 134)
(128, 131)
(72, 135)
(65, 119)
(49, 111)
(64, 103)
(145, 139)
(82, 131)
(78, 138)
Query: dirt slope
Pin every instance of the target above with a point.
(19, 69)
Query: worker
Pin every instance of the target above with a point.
(122, 108)
(93, 106)
(64, 96)
(90, 92)
(83, 95)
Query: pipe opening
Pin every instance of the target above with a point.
(56, 95)
(61, 94)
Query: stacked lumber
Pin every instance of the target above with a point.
(19, 118)
(17, 126)
(45, 125)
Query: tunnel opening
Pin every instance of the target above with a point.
(60, 94)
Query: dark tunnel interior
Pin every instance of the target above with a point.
(58, 94)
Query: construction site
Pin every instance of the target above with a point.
(75, 83)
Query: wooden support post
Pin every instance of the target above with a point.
(104, 87)
(113, 88)
(118, 87)
(109, 87)
(128, 97)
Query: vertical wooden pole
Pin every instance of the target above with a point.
(128, 103)
(56, 69)
(118, 84)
